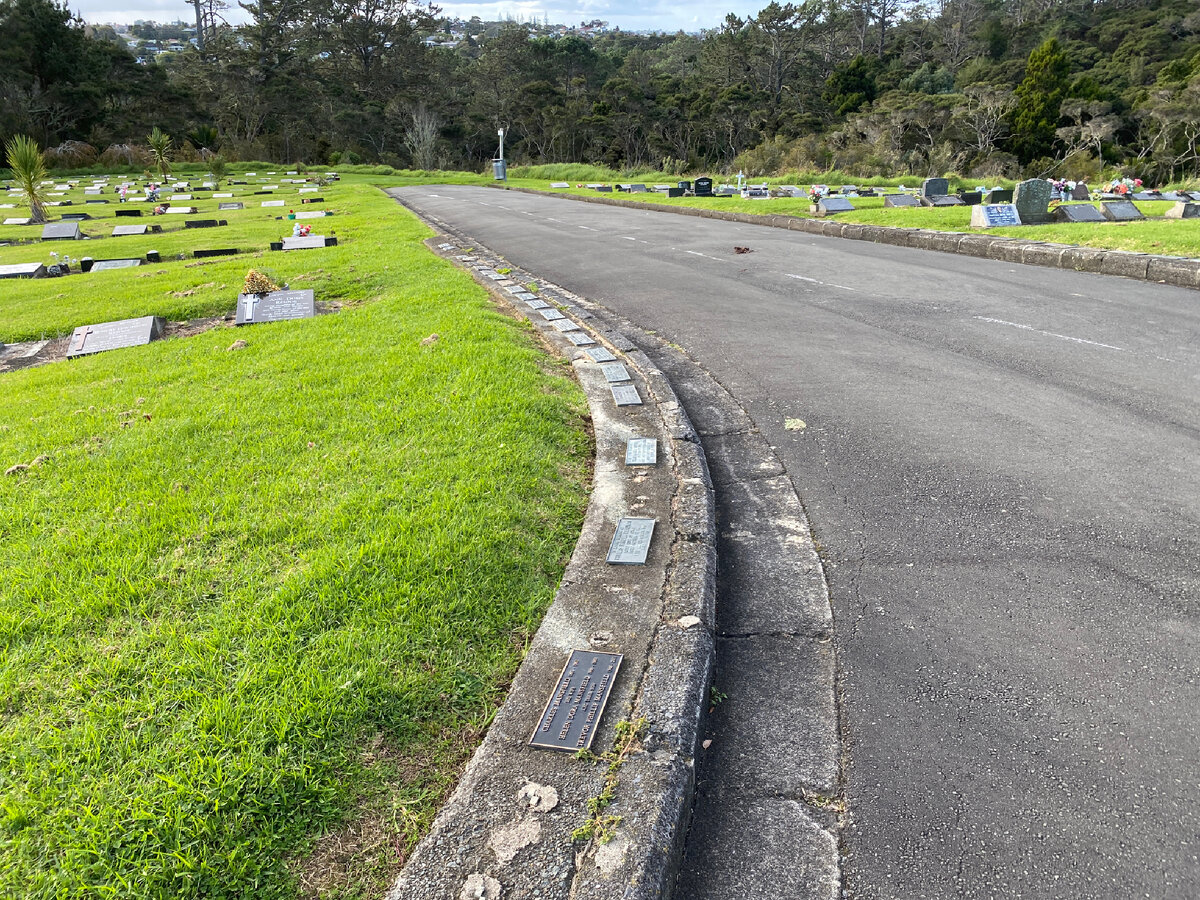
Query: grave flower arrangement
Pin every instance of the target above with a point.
(1123, 186)
(258, 283)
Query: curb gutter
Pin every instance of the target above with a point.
(1179, 271)
(507, 829)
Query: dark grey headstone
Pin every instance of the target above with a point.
(550, 314)
(215, 251)
(23, 270)
(276, 306)
(935, 187)
(603, 189)
(124, 230)
(1080, 192)
(113, 335)
(631, 542)
(1031, 198)
(62, 231)
(626, 395)
(572, 714)
(638, 189)
(1121, 211)
(674, 192)
(599, 354)
(1174, 196)
(579, 338)
(998, 196)
(229, 206)
(1183, 211)
(829, 205)
(1078, 212)
(75, 217)
(641, 452)
(1146, 195)
(129, 213)
(971, 198)
(898, 200)
(101, 265)
(704, 187)
(204, 223)
(615, 372)
(994, 215)
(944, 200)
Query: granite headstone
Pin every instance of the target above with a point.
(276, 306)
(1032, 197)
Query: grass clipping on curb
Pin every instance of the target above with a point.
(251, 601)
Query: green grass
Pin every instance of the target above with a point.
(252, 597)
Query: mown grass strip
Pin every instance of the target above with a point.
(253, 597)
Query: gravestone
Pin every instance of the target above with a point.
(550, 314)
(219, 196)
(113, 335)
(572, 715)
(124, 230)
(76, 217)
(309, 242)
(604, 189)
(223, 251)
(175, 197)
(674, 192)
(102, 265)
(704, 187)
(1032, 197)
(900, 200)
(615, 372)
(223, 207)
(564, 325)
(631, 541)
(312, 200)
(935, 187)
(205, 223)
(273, 203)
(579, 338)
(1078, 212)
(17, 220)
(971, 198)
(1080, 192)
(308, 190)
(1183, 211)
(129, 213)
(62, 231)
(23, 270)
(182, 210)
(600, 354)
(559, 184)
(537, 304)
(828, 205)
(994, 215)
(638, 189)
(311, 215)
(626, 395)
(1121, 211)
(1173, 196)
(998, 196)
(276, 306)
(942, 200)
(641, 452)
(1146, 195)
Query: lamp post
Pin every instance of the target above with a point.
(499, 167)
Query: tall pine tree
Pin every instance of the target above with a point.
(1039, 97)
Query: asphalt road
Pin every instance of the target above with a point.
(1002, 468)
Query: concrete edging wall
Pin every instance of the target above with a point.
(1178, 271)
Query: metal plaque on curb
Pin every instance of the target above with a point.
(564, 324)
(551, 314)
(572, 714)
(113, 335)
(641, 452)
(538, 304)
(600, 354)
(631, 542)
(524, 295)
(579, 338)
(614, 372)
(274, 307)
(626, 395)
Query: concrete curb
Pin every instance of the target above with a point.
(507, 830)
(1179, 271)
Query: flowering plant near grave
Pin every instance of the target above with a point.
(258, 283)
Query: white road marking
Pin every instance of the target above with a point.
(840, 287)
(1061, 337)
(626, 237)
(705, 255)
(585, 228)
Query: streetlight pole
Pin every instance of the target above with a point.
(499, 167)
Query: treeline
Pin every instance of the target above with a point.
(998, 88)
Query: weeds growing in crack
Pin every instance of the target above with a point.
(601, 826)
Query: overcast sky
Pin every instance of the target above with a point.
(631, 15)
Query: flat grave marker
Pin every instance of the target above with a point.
(537, 304)
(579, 338)
(525, 295)
(97, 338)
(62, 231)
(276, 306)
(223, 194)
(308, 242)
(175, 197)
(310, 215)
(572, 714)
(18, 220)
(23, 270)
(828, 205)
(641, 452)
(900, 200)
(1121, 211)
(272, 203)
(631, 542)
(600, 354)
(1183, 210)
(994, 215)
(182, 210)
(615, 372)
(225, 207)
(102, 265)
(564, 325)
(626, 395)
(550, 314)
(1078, 212)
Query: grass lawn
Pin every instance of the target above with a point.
(256, 606)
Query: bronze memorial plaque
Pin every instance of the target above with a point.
(573, 712)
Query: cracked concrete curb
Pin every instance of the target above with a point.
(507, 829)
(1178, 271)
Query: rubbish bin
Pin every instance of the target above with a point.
(499, 170)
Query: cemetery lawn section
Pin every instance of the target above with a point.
(258, 605)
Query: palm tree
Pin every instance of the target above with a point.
(160, 149)
(29, 170)
(205, 139)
